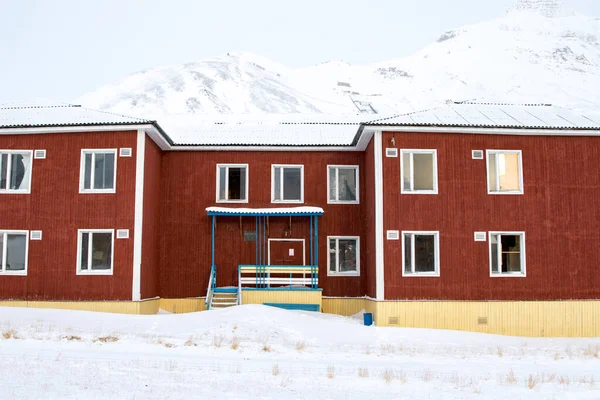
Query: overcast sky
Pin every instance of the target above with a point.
(61, 49)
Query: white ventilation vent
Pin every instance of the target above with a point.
(125, 152)
(480, 236)
(122, 233)
(35, 235)
(393, 235)
(391, 152)
(40, 154)
(477, 154)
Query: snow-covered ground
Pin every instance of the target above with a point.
(255, 351)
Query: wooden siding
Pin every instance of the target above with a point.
(55, 207)
(189, 186)
(151, 221)
(559, 213)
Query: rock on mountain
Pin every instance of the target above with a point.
(538, 52)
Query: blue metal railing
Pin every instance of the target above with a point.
(262, 278)
(212, 284)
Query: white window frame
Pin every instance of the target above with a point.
(18, 191)
(347, 273)
(3, 251)
(89, 271)
(273, 166)
(411, 152)
(227, 166)
(82, 171)
(436, 241)
(487, 168)
(337, 181)
(523, 273)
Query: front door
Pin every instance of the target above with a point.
(286, 252)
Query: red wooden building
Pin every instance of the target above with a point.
(471, 216)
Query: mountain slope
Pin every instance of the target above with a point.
(537, 52)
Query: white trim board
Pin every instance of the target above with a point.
(379, 259)
(136, 285)
(286, 240)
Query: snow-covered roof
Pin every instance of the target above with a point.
(46, 115)
(488, 115)
(235, 211)
(262, 130)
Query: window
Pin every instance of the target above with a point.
(13, 252)
(419, 171)
(342, 184)
(505, 172)
(421, 254)
(232, 183)
(287, 184)
(98, 171)
(344, 255)
(15, 171)
(507, 253)
(95, 251)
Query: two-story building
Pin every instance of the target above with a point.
(470, 216)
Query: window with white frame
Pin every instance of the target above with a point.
(342, 184)
(287, 184)
(98, 171)
(95, 251)
(419, 171)
(420, 253)
(507, 253)
(505, 172)
(232, 183)
(344, 255)
(15, 171)
(13, 252)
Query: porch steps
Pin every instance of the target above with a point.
(223, 298)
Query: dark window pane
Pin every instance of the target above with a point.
(424, 253)
(101, 250)
(406, 176)
(494, 242)
(18, 169)
(85, 240)
(511, 253)
(87, 171)
(423, 171)
(1, 249)
(222, 181)
(99, 171)
(109, 171)
(291, 183)
(237, 183)
(277, 183)
(347, 255)
(347, 184)
(407, 253)
(3, 170)
(15, 252)
(332, 184)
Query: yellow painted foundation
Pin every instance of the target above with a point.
(343, 305)
(183, 305)
(282, 296)
(118, 307)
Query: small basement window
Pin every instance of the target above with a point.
(344, 255)
(419, 171)
(98, 171)
(287, 185)
(343, 184)
(420, 253)
(232, 183)
(15, 171)
(95, 250)
(507, 253)
(14, 246)
(505, 172)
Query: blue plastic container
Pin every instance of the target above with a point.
(368, 319)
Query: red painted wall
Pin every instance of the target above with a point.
(56, 207)
(188, 187)
(151, 221)
(559, 213)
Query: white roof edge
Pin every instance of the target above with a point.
(489, 131)
(274, 210)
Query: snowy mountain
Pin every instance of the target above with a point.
(538, 52)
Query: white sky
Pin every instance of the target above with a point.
(60, 49)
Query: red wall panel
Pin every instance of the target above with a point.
(559, 213)
(56, 207)
(188, 187)
(151, 221)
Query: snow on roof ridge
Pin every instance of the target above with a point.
(491, 103)
(117, 114)
(23, 107)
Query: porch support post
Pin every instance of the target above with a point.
(256, 241)
(311, 241)
(213, 240)
(316, 240)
